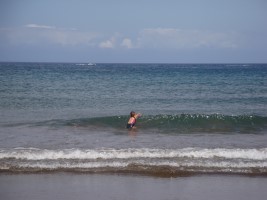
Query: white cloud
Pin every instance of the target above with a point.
(179, 39)
(40, 26)
(108, 44)
(127, 43)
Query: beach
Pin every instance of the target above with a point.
(130, 187)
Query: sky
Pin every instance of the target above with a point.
(134, 31)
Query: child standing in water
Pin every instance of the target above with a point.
(132, 121)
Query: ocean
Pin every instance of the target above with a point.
(71, 117)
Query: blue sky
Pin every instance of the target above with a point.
(134, 31)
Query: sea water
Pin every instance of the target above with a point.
(196, 118)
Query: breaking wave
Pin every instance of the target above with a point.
(167, 162)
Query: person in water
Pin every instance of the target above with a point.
(132, 121)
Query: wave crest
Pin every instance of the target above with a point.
(182, 123)
(186, 123)
(158, 161)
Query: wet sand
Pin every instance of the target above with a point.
(70, 186)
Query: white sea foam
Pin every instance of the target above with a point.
(141, 165)
(93, 165)
(124, 164)
(140, 160)
(44, 154)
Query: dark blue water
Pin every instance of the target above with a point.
(115, 89)
(55, 112)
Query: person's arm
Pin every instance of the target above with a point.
(137, 115)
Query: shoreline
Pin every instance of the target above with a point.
(155, 174)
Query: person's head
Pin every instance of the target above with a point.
(132, 114)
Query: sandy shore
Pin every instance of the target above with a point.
(69, 186)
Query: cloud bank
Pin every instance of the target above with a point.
(150, 38)
(34, 34)
(179, 39)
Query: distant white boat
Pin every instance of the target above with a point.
(84, 64)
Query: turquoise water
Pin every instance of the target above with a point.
(195, 112)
